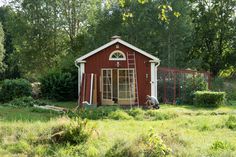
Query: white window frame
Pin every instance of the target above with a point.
(133, 92)
(111, 85)
(117, 59)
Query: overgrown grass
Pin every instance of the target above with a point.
(186, 130)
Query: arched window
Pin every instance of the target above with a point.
(117, 56)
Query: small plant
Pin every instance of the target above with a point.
(220, 145)
(154, 145)
(137, 113)
(231, 122)
(119, 115)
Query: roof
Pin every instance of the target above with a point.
(121, 42)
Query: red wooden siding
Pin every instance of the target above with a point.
(100, 60)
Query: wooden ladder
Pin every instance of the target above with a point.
(131, 63)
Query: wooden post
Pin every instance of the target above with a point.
(164, 95)
(95, 90)
(174, 101)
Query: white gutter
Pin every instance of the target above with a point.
(78, 79)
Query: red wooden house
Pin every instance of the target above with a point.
(117, 73)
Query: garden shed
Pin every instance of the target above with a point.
(117, 73)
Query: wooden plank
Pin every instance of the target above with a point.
(95, 90)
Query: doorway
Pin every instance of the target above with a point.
(118, 86)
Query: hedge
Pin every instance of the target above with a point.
(209, 98)
(15, 88)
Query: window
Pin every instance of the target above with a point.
(126, 84)
(117, 55)
(107, 83)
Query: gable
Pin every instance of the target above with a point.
(155, 59)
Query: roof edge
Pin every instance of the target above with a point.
(113, 42)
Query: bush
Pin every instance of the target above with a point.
(24, 102)
(76, 132)
(209, 98)
(150, 145)
(220, 145)
(192, 85)
(119, 115)
(16, 88)
(231, 122)
(137, 113)
(58, 85)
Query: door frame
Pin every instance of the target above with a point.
(106, 101)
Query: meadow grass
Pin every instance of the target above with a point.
(191, 132)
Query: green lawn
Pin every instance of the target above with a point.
(192, 132)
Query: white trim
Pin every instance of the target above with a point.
(111, 83)
(117, 59)
(82, 70)
(121, 42)
(153, 93)
(91, 89)
(118, 85)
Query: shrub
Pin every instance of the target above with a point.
(209, 98)
(231, 122)
(192, 85)
(76, 132)
(137, 113)
(15, 89)
(24, 102)
(220, 145)
(149, 145)
(119, 115)
(58, 85)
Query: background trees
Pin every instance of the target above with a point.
(46, 34)
(2, 50)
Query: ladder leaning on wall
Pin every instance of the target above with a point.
(132, 77)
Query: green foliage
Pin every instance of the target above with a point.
(16, 88)
(148, 145)
(137, 113)
(119, 115)
(213, 38)
(2, 50)
(209, 98)
(24, 102)
(154, 145)
(76, 132)
(194, 84)
(231, 122)
(116, 113)
(220, 145)
(100, 112)
(57, 85)
(157, 115)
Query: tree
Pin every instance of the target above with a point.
(167, 40)
(2, 50)
(10, 60)
(214, 36)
